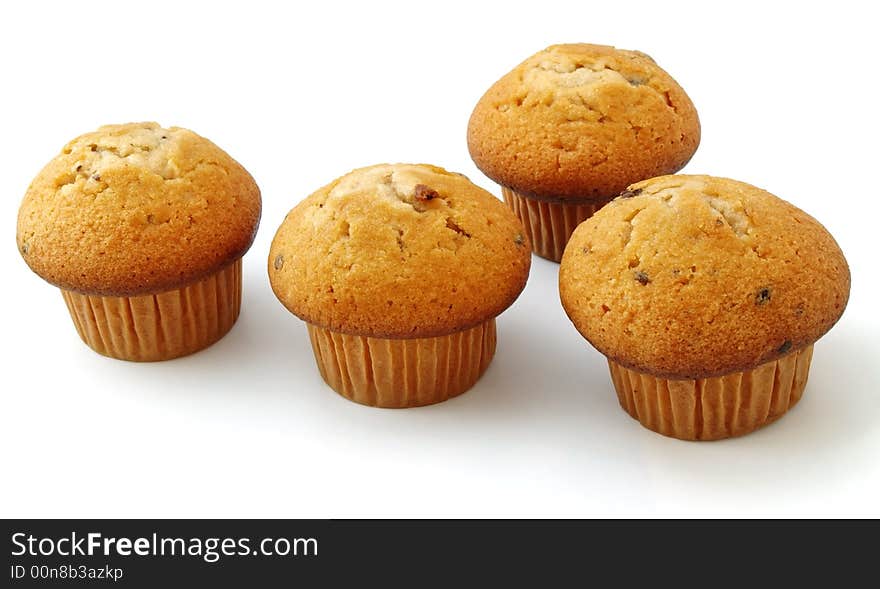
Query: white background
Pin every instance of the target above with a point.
(300, 95)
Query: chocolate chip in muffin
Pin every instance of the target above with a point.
(451, 224)
(630, 193)
(786, 346)
(762, 297)
(635, 80)
(423, 192)
(642, 278)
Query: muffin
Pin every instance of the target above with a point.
(572, 126)
(706, 295)
(143, 229)
(399, 272)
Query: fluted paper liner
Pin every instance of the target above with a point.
(161, 326)
(398, 373)
(714, 408)
(549, 225)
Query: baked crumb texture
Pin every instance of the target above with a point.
(137, 209)
(399, 251)
(693, 277)
(581, 122)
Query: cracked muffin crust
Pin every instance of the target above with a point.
(135, 209)
(689, 277)
(143, 229)
(399, 251)
(580, 122)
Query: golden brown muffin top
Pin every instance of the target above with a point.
(695, 276)
(137, 209)
(582, 122)
(399, 251)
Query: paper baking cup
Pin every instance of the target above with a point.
(161, 326)
(714, 408)
(547, 224)
(398, 373)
